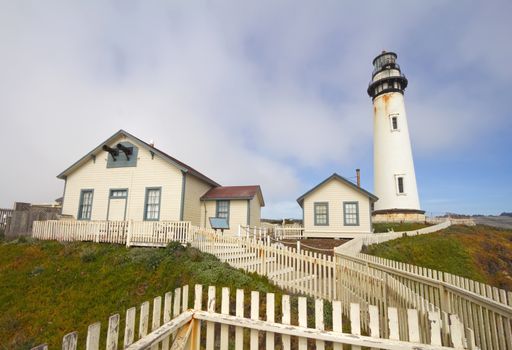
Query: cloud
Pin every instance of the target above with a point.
(259, 92)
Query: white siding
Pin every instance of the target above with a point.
(237, 214)
(194, 189)
(335, 193)
(149, 172)
(255, 216)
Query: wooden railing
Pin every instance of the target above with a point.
(250, 232)
(303, 272)
(289, 232)
(221, 319)
(131, 233)
(484, 311)
(351, 277)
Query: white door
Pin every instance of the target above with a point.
(117, 205)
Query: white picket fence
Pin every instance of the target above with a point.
(289, 232)
(261, 321)
(131, 233)
(485, 311)
(252, 232)
(352, 277)
(300, 272)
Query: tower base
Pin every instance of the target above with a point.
(398, 215)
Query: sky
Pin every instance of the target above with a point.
(259, 92)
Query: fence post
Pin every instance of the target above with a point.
(97, 233)
(298, 246)
(189, 233)
(443, 298)
(129, 233)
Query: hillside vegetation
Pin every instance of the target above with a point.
(397, 226)
(48, 289)
(480, 252)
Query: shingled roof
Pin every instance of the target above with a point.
(234, 192)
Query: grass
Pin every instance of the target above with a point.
(49, 289)
(398, 226)
(481, 253)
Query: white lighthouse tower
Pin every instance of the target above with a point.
(394, 177)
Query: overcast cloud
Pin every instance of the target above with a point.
(259, 92)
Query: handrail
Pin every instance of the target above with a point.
(501, 308)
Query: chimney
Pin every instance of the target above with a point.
(358, 176)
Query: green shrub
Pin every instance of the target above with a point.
(88, 255)
(174, 247)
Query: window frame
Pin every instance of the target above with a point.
(397, 184)
(228, 207)
(112, 190)
(146, 204)
(345, 213)
(315, 214)
(392, 117)
(79, 215)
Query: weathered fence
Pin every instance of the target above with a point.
(289, 232)
(131, 233)
(484, 310)
(252, 232)
(303, 272)
(221, 319)
(350, 277)
(4, 214)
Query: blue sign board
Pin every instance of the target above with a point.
(219, 223)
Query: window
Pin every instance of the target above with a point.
(351, 213)
(393, 118)
(400, 184)
(118, 194)
(322, 214)
(85, 206)
(152, 206)
(222, 210)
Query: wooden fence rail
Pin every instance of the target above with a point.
(252, 232)
(289, 232)
(303, 272)
(350, 277)
(218, 318)
(485, 310)
(131, 233)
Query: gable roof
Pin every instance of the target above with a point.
(171, 160)
(335, 176)
(234, 192)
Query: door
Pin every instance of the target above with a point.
(117, 205)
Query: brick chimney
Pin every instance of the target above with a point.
(358, 176)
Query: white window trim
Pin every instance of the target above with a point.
(404, 184)
(391, 116)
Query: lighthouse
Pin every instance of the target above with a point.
(394, 176)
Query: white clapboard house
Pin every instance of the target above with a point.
(338, 208)
(125, 178)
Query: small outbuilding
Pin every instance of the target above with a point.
(336, 208)
(240, 205)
